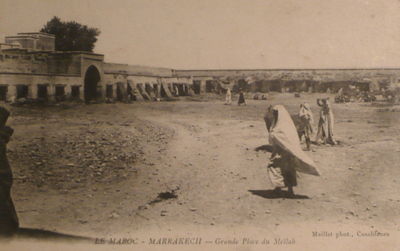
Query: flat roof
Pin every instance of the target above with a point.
(24, 36)
(33, 35)
(36, 33)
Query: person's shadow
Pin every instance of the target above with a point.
(272, 194)
(39, 234)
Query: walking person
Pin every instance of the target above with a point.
(287, 156)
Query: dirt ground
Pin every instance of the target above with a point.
(97, 170)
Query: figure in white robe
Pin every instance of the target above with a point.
(287, 156)
(228, 97)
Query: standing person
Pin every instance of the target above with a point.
(228, 97)
(287, 157)
(325, 123)
(8, 216)
(306, 121)
(241, 98)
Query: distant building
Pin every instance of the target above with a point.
(30, 68)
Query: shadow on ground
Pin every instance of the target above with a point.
(272, 194)
(264, 148)
(40, 234)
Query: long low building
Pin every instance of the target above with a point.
(30, 68)
(293, 80)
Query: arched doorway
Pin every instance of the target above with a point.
(92, 78)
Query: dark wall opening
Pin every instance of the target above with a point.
(326, 85)
(209, 86)
(3, 92)
(42, 92)
(362, 86)
(255, 86)
(60, 93)
(22, 91)
(181, 90)
(75, 92)
(218, 87)
(196, 86)
(293, 85)
(276, 86)
(92, 78)
(264, 86)
(109, 91)
(241, 85)
(120, 96)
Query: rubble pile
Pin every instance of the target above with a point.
(80, 157)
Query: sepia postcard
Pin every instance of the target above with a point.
(199, 125)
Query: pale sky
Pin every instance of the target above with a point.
(226, 34)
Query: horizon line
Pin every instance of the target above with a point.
(291, 69)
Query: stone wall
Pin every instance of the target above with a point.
(11, 83)
(19, 62)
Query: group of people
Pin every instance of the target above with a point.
(228, 97)
(287, 155)
(325, 124)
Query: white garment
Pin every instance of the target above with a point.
(276, 177)
(283, 134)
(228, 97)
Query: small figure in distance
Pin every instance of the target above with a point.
(241, 98)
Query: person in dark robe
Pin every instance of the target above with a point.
(8, 217)
(241, 98)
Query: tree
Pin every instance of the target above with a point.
(71, 36)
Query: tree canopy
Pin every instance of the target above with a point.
(71, 36)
